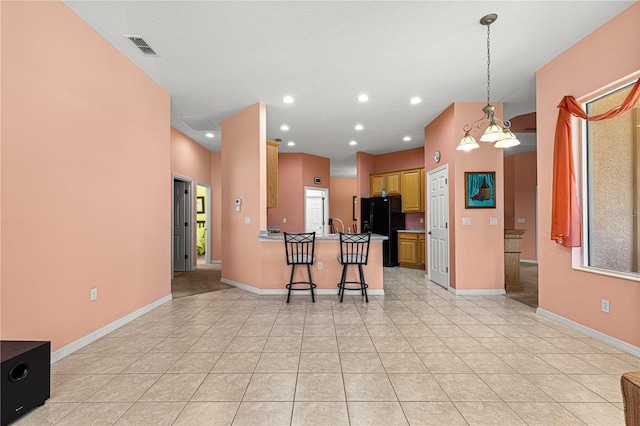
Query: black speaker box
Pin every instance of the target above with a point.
(26, 377)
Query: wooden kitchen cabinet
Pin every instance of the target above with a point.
(411, 250)
(272, 174)
(376, 183)
(392, 183)
(412, 188)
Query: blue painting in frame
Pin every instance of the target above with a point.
(480, 190)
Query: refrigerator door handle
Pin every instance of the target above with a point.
(371, 216)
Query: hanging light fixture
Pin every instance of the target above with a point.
(496, 130)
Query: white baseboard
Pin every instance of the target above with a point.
(528, 261)
(103, 331)
(604, 338)
(216, 261)
(278, 291)
(478, 292)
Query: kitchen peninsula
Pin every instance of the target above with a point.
(327, 251)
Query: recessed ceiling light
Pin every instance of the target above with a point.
(209, 135)
(406, 138)
(415, 100)
(359, 127)
(291, 143)
(352, 143)
(284, 127)
(287, 99)
(363, 98)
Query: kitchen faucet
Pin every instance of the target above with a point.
(341, 223)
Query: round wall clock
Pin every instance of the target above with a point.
(436, 157)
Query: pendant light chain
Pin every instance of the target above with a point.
(488, 63)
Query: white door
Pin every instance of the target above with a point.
(316, 202)
(180, 225)
(438, 226)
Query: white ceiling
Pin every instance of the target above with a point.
(216, 58)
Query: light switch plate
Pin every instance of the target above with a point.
(493, 221)
(466, 221)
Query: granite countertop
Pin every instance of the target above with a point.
(413, 231)
(336, 237)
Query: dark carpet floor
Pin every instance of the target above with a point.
(203, 280)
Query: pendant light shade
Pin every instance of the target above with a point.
(467, 143)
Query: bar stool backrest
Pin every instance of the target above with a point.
(354, 248)
(300, 248)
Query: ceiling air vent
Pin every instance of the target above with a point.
(142, 45)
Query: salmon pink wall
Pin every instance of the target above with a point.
(216, 206)
(408, 159)
(480, 246)
(439, 135)
(365, 165)
(97, 210)
(341, 194)
(295, 171)
(525, 181)
(315, 166)
(290, 195)
(244, 168)
(509, 192)
(569, 293)
(191, 160)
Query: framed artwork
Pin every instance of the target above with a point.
(480, 190)
(355, 207)
(199, 204)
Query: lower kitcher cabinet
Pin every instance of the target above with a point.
(411, 250)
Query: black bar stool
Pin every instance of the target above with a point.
(300, 249)
(354, 250)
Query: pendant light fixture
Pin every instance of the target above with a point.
(496, 130)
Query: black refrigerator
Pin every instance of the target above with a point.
(383, 215)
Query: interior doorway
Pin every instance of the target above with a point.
(438, 225)
(203, 227)
(181, 247)
(316, 210)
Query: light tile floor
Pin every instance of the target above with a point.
(418, 355)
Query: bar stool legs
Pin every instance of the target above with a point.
(343, 281)
(291, 282)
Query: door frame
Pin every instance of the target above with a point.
(189, 214)
(429, 173)
(207, 222)
(325, 206)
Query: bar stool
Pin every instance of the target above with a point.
(300, 249)
(354, 250)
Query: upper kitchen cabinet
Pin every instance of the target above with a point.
(392, 183)
(376, 183)
(412, 184)
(389, 181)
(272, 174)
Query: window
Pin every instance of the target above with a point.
(613, 186)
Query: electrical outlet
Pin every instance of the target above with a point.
(493, 221)
(319, 265)
(605, 306)
(466, 221)
(247, 220)
(521, 220)
(94, 293)
(284, 220)
(422, 220)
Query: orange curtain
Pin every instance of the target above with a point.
(566, 221)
